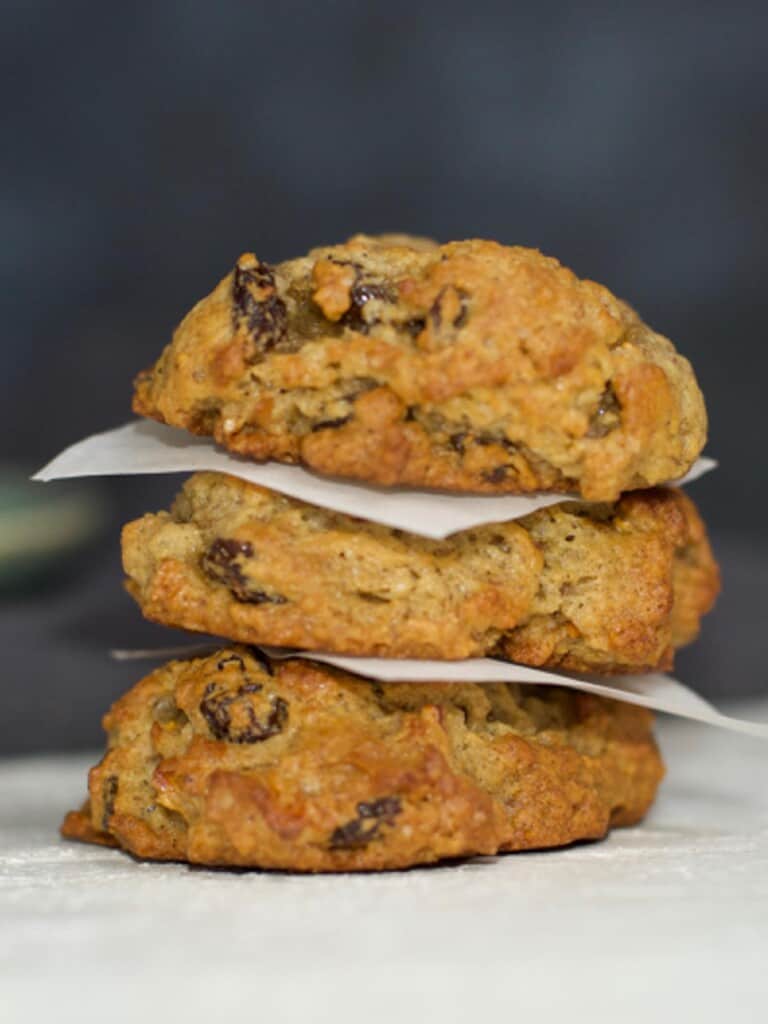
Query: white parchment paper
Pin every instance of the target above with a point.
(655, 691)
(146, 447)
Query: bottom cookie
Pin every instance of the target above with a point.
(234, 760)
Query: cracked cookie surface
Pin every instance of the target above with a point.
(595, 588)
(470, 366)
(236, 760)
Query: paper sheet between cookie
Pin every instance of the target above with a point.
(655, 691)
(146, 447)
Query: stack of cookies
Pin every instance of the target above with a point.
(468, 367)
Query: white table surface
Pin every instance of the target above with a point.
(664, 922)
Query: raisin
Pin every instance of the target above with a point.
(232, 716)
(357, 386)
(414, 326)
(371, 817)
(384, 807)
(377, 690)
(437, 311)
(220, 563)
(487, 439)
(257, 305)
(231, 658)
(497, 475)
(361, 292)
(331, 424)
(224, 550)
(108, 795)
(367, 595)
(607, 415)
(458, 441)
(251, 596)
(359, 295)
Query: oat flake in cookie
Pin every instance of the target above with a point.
(232, 760)
(607, 588)
(470, 366)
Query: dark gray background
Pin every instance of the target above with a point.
(147, 144)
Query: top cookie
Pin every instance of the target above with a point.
(471, 366)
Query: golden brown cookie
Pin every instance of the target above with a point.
(234, 760)
(597, 588)
(471, 366)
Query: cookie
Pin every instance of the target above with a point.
(596, 588)
(233, 760)
(471, 366)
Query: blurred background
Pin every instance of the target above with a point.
(147, 144)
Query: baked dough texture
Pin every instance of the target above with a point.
(471, 366)
(601, 588)
(234, 760)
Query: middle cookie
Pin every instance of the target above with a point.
(605, 588)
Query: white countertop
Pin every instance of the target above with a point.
(663, 922)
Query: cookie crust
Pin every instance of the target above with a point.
(470, 366)
(231, 760)
(597, 588)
